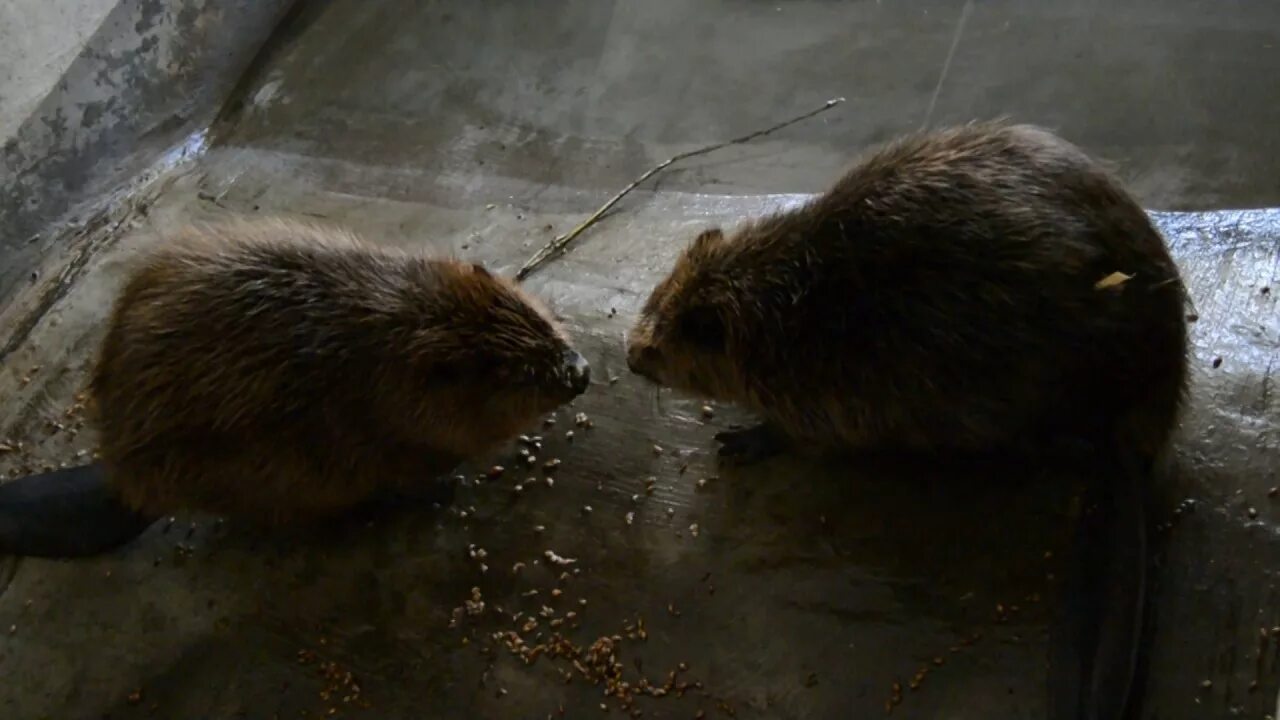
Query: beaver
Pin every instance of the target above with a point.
(980, 288)
(284, 372)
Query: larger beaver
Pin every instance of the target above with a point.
(284, 371)
(986, 287)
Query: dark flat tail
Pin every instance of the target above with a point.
(65, 514)
(1098, 635)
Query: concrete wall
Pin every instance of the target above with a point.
(39, 39)
(143, 75)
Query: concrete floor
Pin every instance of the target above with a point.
(807, 590)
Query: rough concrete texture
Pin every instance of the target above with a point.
(38, 40)
(152, 75)
(807, 589)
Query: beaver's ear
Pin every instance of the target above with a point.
(703, 327)
(706, 241)
(480, 270)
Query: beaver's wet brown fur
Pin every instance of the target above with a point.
(943, 295)
(282, 371)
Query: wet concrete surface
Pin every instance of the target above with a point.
(806, 589)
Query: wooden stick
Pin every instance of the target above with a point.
(561, 242)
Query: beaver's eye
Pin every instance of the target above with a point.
(702, 327)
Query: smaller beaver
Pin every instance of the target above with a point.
(980, 288)
(284, 371)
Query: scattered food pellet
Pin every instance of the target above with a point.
(568, 436)
(693, 529)
(1253, 513)
(1206, 684)
(551, 464)
(550, 481)
(517, 567)
(581, 420)
(549, 422)
(557, 559)
(671, 510)
(539, 528)
(657, 449)
(495, 472)
(708, 412)
(1273, 492)
(1217, 362)
(586, 509)
(135, 697)
(630, 518)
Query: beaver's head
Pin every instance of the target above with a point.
(684, 336)
(494, 358)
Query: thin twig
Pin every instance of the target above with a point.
(561, 242)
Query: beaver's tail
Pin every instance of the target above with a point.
(65, 514)
(1099, 634)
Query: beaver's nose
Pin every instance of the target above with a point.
(641, 359)
(577, 371)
